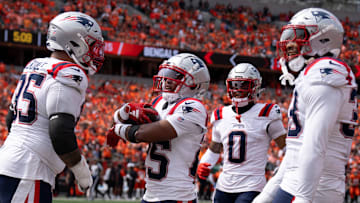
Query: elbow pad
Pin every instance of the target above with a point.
(61, 131)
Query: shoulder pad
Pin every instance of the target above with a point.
(217, 114)
(329, 71)
(272, 111)
(70, 74)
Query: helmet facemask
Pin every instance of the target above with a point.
(91, 58)
(170, 80)
(294, 44)
(242, 91)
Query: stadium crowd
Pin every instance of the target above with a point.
(174, 24)
(116, 166)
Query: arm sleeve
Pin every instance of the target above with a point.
(322, 107)
(64, 99)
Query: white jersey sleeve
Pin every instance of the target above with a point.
(322, 105)
(71, 82)
(190, 115)
(216, 115)
(58, 100)
(275, 127)
(71, 75)
(329, 71)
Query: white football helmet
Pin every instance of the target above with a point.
(80, 37)
(182, 75)
(243, 84)
(316, 32)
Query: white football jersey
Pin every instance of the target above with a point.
(322, 118)
(46, 86)
(171, 165)
(245, 145)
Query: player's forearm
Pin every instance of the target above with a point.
(215, 147)
(72, 158)
(311, 156)
(151, 132)
(63, 139)
(156, 132)
(310, 170)
(9, 117)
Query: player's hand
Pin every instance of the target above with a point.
(82, 174)
(136, 113)
(203, 170)
(122, 115)
(112, 138)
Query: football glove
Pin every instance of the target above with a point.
(136, 114)
(203, 170)
(82, 174)
(112, 138)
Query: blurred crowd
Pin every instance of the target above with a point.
(173, 24)
(122, 168)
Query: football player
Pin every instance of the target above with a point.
(45, 108)
(322, 114)
(175, 140)
(244, 131)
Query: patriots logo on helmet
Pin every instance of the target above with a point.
(188, 109)
(320, 15)
(328, 71)
(82, 20)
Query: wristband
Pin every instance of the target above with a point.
(120, 130)
(116, 117)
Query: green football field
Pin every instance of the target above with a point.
(83, 200)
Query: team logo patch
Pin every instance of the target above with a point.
(82, 20)
(180, 119)
(320, 15)
(188, 109)
(327, 71)
(75, 78)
